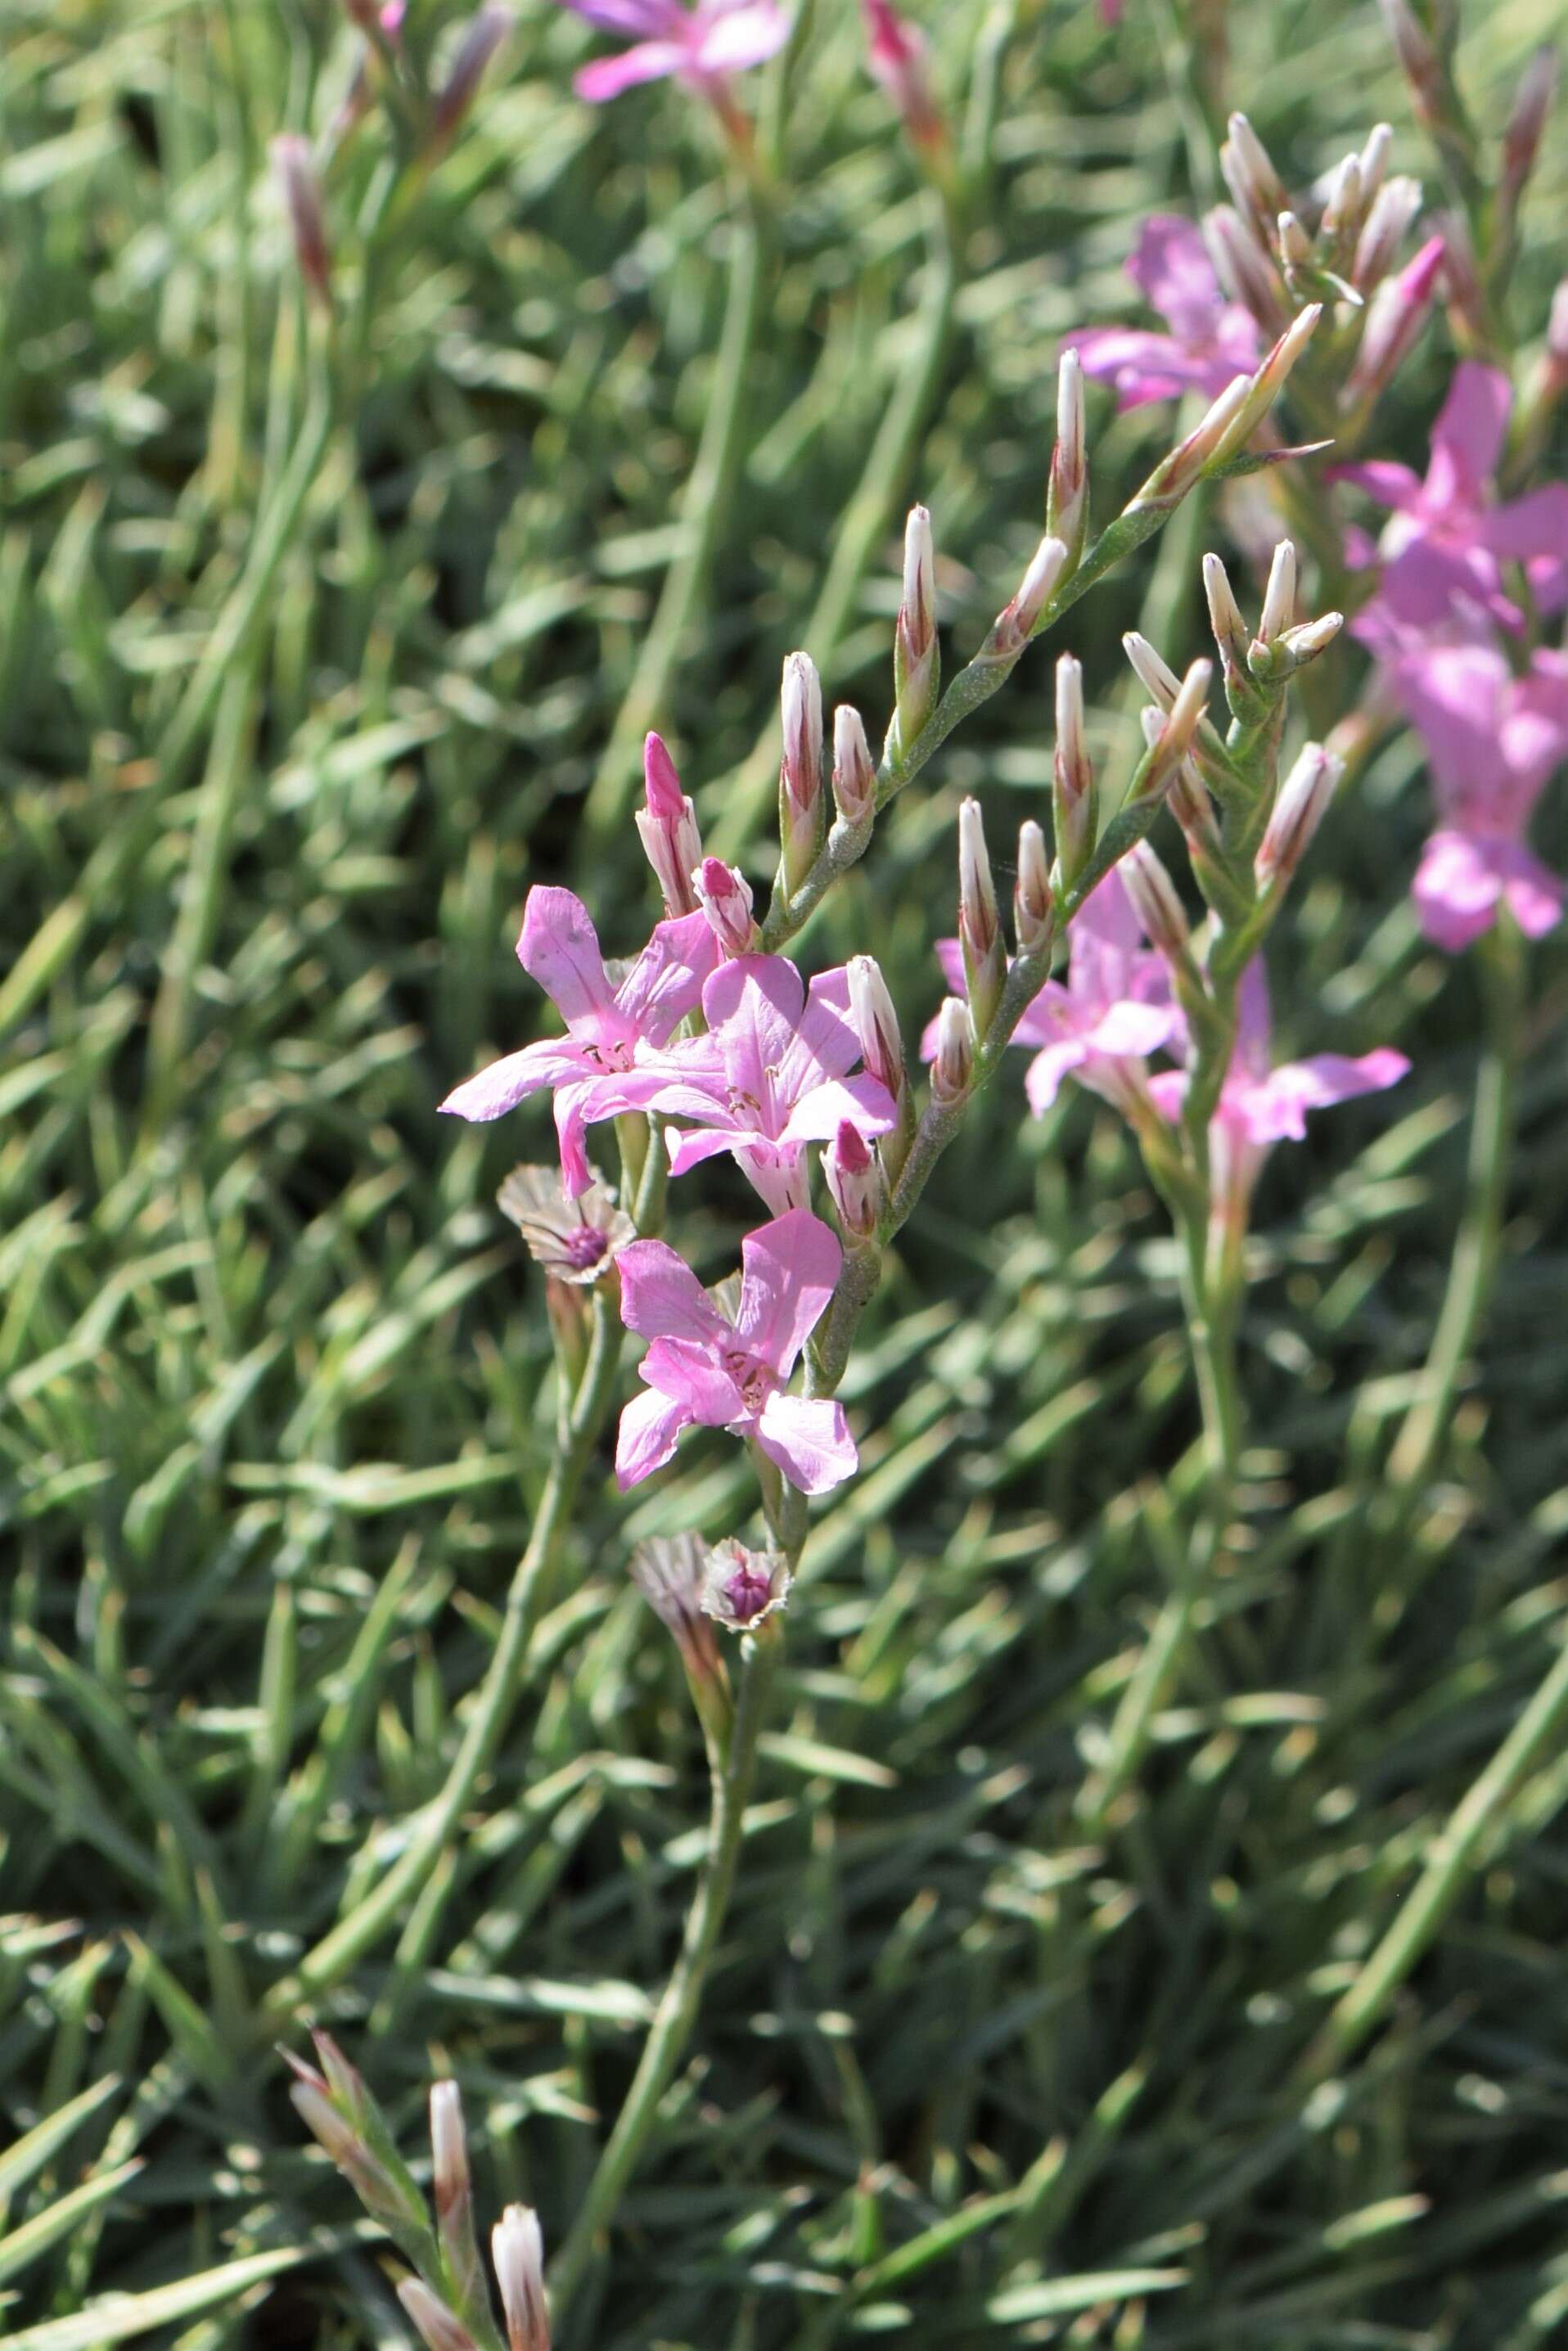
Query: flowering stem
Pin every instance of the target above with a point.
(348, 1940)
(677, 2010)
(702, 511)
(1476, 1249)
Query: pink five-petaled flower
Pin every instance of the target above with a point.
(614, 1056)
(1261, 1105)
(1492, 740)
(1210, 343)
(1114, 1009)
(1444, 547)
(702, 46)
(704, 1370)
(771, 1075)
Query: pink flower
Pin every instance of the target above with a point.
(700, 45)
(1115, 1008)
(1210, 343)
(772, 1075)
(612, 1057)
(1261, 1105)
(1492, 740)
(1448, 538)
(897, 51)
(705, 1370)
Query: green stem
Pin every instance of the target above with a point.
(497, 1695)
(677, 2010)
(1475, 1251)
(704, 512)
(1454, 1854)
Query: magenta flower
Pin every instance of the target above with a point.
(613, 1056)
(1492, 740)
(701, 45)
(772, 1075)
(1210, 341)
(705, 1370)
(1114, 1009)
(1445, 546)
(1260, 1104)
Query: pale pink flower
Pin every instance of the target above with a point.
(701, 45)
(1209, 343)
(705, 1370)
(613, 1057)
(772, 1075)
(1492, 740)
(1260, 1104)
(1443, 549)
(1114, 1009)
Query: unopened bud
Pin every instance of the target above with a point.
(1183, 720)
(724, 897)
(1155, 902)
(1460, 282)
(519, 2254)
(668, 1573)
(1374, 157)
(876, 1024)
(1034, 910)
(954, 1065)
(1387, 224)
(801, 812)
(453, 2193)
(854, 774)
(438, 2327)
(371, 2183)
(1176, 473)
(1557, 338)
(743, 1588)
(481, 37)
(1250, 174)
(1154, 674)
(1305, 642)
(897, 56)
(979, 925)
(1344, 205)
(1067, 499)
(1015, 625)
(1244, 270)
(1421, 63)
(853, 1180)
(1280, 597)
(916, 661)
(1268, 383)
(1295, 245)
(1230, 631)
(346, 2083)
(1532, 106)
(1298, 809)
(295, 169)
(667, 828)
(1396, 316)
(1188, 800)
(1073, 806)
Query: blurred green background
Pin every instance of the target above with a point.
(282, 752)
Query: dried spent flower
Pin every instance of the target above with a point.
(742, 1588)
(518, 2252)
(575, 1240)
(668, 1573)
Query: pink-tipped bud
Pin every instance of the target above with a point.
(743, 1588)
(668, 1573)
(1073, 809)
(916, 658)
(896, 52)
(1034, 909)
(1251, 176)
(954, 1065)
(802, 808)
(1231, 631)
(437, 2326)
(1280, 597)
(1016, 624)
(1532, 106)
(853, 1180)
(295, 170)
(1394, 318)
(1299, 808)
(453, 2193)
(1245, 271)
(724, 897)
(979, 924)
(519, 2254)
(1067, 499)
(1387, 224)
(481, 37)
(876, 1024)
(854, 772)
(1155, 902)
(667, 828)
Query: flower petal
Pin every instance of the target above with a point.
(558, 946)
(743, 37)
(690, 1372)
(503, 1086)
(1042, 1079)
(809, 1441)
(788, 1270)
(668, 976)
(646, 1438)
(661, 1296)
(606, 77)
(864, 1102)
(1466, 439)
(1171, 269)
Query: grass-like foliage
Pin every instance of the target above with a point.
(322, 640)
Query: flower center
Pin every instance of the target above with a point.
(584, 1247)
(746, 1593)
(754, 1380)
(613, 1053)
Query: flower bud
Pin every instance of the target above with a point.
(1176, 473)
(1182, 719)
(876, 1024)
(897, 58)
(800, 807)
(1374, 157)
(1244, 270)
(1074, 809)
(440, 2330)
(1157, 903)
(1268, 383)
(668, 1573)
(667, 828)
(1034, 909)
(724, 897)
(1250, 174)
(1067, 499)
(742, 1588)
(452, 2192)
(1422, 66)
(1305, 642)
(1295, 245)
(1230, 632)
(1396, 316)
(953, 1064)
(376, 2191)
(1280, 597)
(295, 170)
(1344, 207)
(1387, 224)
(1299, 808)
(1154, 674)
(853, 1180)
(481, 37)
(518, 2255)
(979, 925)
(916, 657)
(854, 775)
(1532, 106)
(1015, 624)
